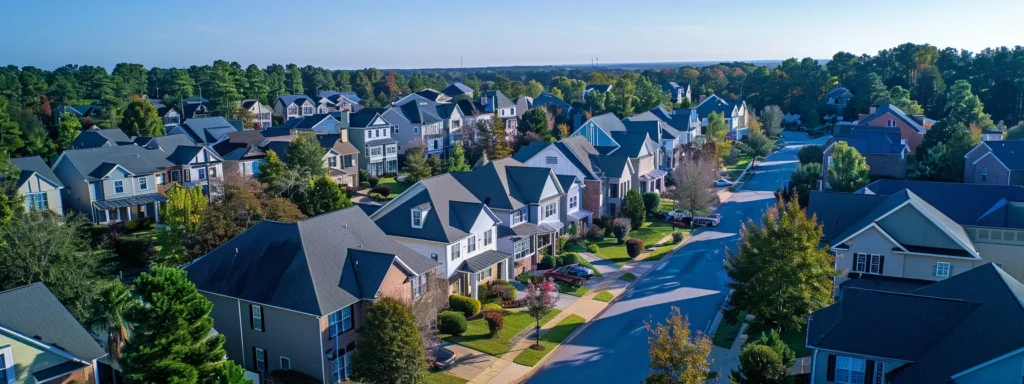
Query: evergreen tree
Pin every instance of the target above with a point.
(272, 169)
(257, 88)
(140, 119)
(416, 164)
(457, 159)
(780, 274)
(390, 349)
(633, 209)
(179, 86)
(436, 165)
(501, 149)
(172, 341)
(324, 195)
(10, 132)
(67, 131)
(293, 80)
(716, 129)
(847, 171)
(536, 121)
(804, 179)
(108, 317)
(764, 361)
(224, 87)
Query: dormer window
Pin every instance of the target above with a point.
(417, 218)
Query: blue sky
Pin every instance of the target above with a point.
(424, 34)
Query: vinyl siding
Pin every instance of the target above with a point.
(30, 358)
(909, 226)
(36, 184)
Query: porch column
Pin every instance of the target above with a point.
(472, 285)
(119, 214)
(129, 210)
(156, 211)
(107, 213)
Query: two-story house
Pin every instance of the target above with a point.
(899, 234)
(168, 115)
(205, 130)
(496, 103)
(261, 112)
(113, 183)
(677, 91)
(995, 163)
(41, 342)
(734, 112)
(242, 152)
(341, 158)
(679, 127)
(964, 329)
(912, 128)
(295, 106)
(195, 108)
(96, 138)
(319, 123)
(637, 141)
(555, 105)
(570, 160)
(37, 185)
(416, 122)
(883, 151)
(370, 133)
(644, 156)
(457, 89)
(340, 101)
(444, 222)
(837, 98)
(305, 290)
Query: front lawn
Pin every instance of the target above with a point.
(660, 253)
(727, 332)
(604, 296)
(628, 277)
(478, 337)
(570, 290)
(650, 233)
(396, 187)
(443, 378)
(530, 357)
(796, 340)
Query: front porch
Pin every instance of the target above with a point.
(653, 181)
(382, 167)
(581, 219)
(481, 268)
(128, 208)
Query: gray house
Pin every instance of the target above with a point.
(418, 121)
(294, 106)
(305, 290)
(97, 138)
(370, 133)
(204, 130)
(38, 185)
(677, 91)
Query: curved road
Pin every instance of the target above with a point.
(612, 348)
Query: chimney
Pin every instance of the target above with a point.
(343, 118)
(701, 98)
(872, 110)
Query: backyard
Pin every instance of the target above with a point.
(477, 336)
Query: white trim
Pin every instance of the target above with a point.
(976, 147)
(241, 334)
(45, 346)
(935, 255)
(874, 224)
(993, 155)
(987, 363)
(849, 354)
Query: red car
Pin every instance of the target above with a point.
(567, 275)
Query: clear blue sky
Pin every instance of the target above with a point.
(351, 34)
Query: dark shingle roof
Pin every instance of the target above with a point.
(95, 138)
(308, 122)
(315, 266)
(208, 129)
(836, 212)
(505, 183)
(483, 261)
(875, 140)
(236, 140)
(608, 122)
(34, 165)
(364, 117)
(431, 94)
(599, 87)
(444, 195)
(420, 111)
(631, 143)
(499, 99)
(456, 89)
(1010, 153)
(580, 152)
(296, 99)
(35, 312)
(547, 98)
(97, 162)
(950, 197)
(612, 166)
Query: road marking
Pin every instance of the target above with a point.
(638, 330)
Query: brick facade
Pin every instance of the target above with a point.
(981, 168)
(81, 376)
(592, 194)
(908, 133)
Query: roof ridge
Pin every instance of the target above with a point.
(305, 259)
(23, 287)
(1007, 282)
(910, 294)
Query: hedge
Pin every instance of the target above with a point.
(491, 307)
(495, 322)
(465, 304)
(384, 190)
(452, 323)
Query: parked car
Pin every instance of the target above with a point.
(711, 220)
(677, 215)
(723, 183)
(580, 271)
(444, 358)
(566, 275)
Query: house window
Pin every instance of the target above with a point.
(307, 110)
(573, 200)
(341, 367)
(471, 244)
(375, 151)
(866, 263)
(488, 237)
(159, 178)
(520, 216)
(176, 175)
(984, 174)
(293, 110)
(419, 286)
(942, 269)
(261, 360)
(36, 201)
(340, 321)
(849, 370)
(522, 248)
(6, 363)
(551, 160)
(142, 184)
(118, 186)
(513, 111)
(434, 256)
(256, 313)
(417, 218)
(213, 172)
(332, 161)
(392, 149)
(395, 130)
(890, 123)
(456, 251)
(484, 274)
(202, 174)
(286, 363)
(550, 210)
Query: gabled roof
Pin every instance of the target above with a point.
(207, 129)
(580, 152)
(35, 313)
(96, 163)
(631, 144)
(547, 98)
(365, 117)
(471, 107)
(185, 153)
(456, 89)
(499, 99)
(294, 99)
(672, 125)
(192, 109)
(34, 165)
(236, 140)
(308, 122)
(95, 138)
(420, 112)
(598, 87)
(447, 110)
(432, 95)
(447, 219)
(1009, 152)
(651, 128)
(333, 142)
(837, 91)
(315, 266)
(506, 183)
(608, 122)
(837, 212)
(612, 166)
(902, 116)
(876, 140)
(713, 103)
(964, 203)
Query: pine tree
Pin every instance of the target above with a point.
(140, 119)
(10, 132)
(67, 131)
(457, 159)
(501, 149)
(633, 209)
(416, 164)
(390, 349)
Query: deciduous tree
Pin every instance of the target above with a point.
(536, 121)
(804, 179)
(457, 159)
(306, 156)
(716, 128)
(324, 195)
(390, 349)
(181, 213)
(108, 317)
(539, 301)
(633, 208)
(677, 355)
(760, 144)
(140, 119)
(694, 175)
(67, 130)
(847, 171)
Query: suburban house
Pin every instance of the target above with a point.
(319, 123)
(898, 235)
(341, 101)
(995, 163)
(295, 106)
(583, 194)
(444, 222)
(370, 133)
(679, 127)
(195, 108)
(495, 102)
(205, 130)
(341, 158)
(418, 121)
(242, 151)
(644, 157)
(557, 106)
(168, 115)
(603, 88)
(882, 149)
(612, 137)
(40, 341)
(96, 138)
(523, 104)
(37, 184)
(79, 111)
(457, 89)
(912, 128)
(433, 95)
(261, 112)
(313, 280)
(734, 111)
(677, 91)
(964, 329)
(991, 135)
(837, 98)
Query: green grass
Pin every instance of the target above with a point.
(396, 187)
(530, 357)
(628, 277)
(659, 253)
(443, 378)
(569, 290)
(478, 337)
(727, 332)
(604, 296)
(666, 205)
(796, 340)
(575, 248)
(650, 233)
(581, 261)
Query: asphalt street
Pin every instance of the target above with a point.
(613, 346)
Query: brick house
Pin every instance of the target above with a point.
(882, 149)
(291, 296)
(995, 162)
(912, 128)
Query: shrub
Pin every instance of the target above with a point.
(634, 247)
(381, 189)
(547, 262)
(593, 232)
(573, 229)
(732, 158)
(364, 184)
(593, 248)
(373, 180)
(608, 229)
(677, 236)
(652, 201)
(142, 250)
(378, 197)
(452, 323)
(349, 190)
(811, 154)
(621, 227)
(562, 242)
(524, 278)
(491, 307)
(465, 304)
(517, 303)
(364, 175)
(567, 258)
(495, 322)
(504, 292)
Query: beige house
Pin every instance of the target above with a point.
(38, 185)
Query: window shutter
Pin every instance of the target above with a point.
(950, 269)
(869, 371)
(935, 268)
(263, 319)
(830, 372)
(255, 368)
(252, 324)
(266, 361)
(881, 264)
